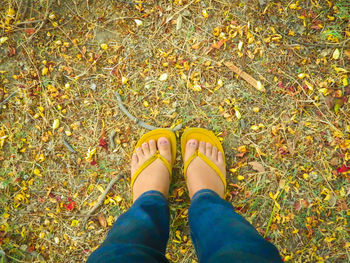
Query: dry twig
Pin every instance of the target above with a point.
(248, 78)
(136, 120)
(102, 197)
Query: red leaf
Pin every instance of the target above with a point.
(93, 162)
(103, 143)
(70, 206)
(343, 169)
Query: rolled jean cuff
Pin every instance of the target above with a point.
(206, 192)
(151, 193)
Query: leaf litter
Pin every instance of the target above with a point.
(270, 78)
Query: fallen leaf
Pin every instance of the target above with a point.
(218, 45)
(196, 46)
(3, 40)
(343, 169)
(102, 220)
(163, 77)
(179, 23)
(29, 31)
(103, 143)
(336, 54)
(257, 167)
(56, 124)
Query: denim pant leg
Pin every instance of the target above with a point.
(139, 235)
(219, 234)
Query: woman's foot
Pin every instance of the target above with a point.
(199, 174)
(156, 175)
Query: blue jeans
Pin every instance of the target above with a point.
(218, 233)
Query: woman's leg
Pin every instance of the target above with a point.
(141, 234)
(219, 234)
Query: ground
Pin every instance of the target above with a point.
(63, 136)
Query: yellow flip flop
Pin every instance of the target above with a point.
(155, 135)
(204, 135)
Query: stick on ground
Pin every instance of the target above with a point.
(136, 120)
(102, 197)
(256, 84)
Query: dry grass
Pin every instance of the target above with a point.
(298, 130)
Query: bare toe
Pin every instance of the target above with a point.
(201, 147)
(164, 148)
(145, 148)
(208, 149)
(214, 153)
(152, 146)
(139, 153)
(191, 148)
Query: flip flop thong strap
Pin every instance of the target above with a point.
(147, 163)
(207, 161)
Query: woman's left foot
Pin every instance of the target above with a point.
(156, 175)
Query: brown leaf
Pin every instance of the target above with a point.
(347, 53)
(218, 45)
(29, 31)
(102, 220)
(196, 46)
(12, 51)
(257, 167)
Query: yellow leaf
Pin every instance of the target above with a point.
(44, 71)
(336, 54)
(56, 124)
(240, 177)
(233, 170)
(138, 22)
(2, 140)
(220, 83)
(36, 171)
(3, 40)
(260, 87)
(240, 45)
(310, 87)
(197, 87)
(41, 235)
(302, 75)
(177, 234)
(90, 153)
(104, 46)
(74, 223)
(329, 239)
(124, 80)
(242, 149)
(110, 220)
(11, 12)
(205, 13)
(163, 77)
(256, 109)
(145, 104)
(238, 114)
(254, 127)
(294, 6)
(324, 91)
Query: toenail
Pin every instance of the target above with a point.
(144, 144)
(192, 143)
(162, 142)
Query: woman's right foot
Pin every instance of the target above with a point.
(199, 174)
